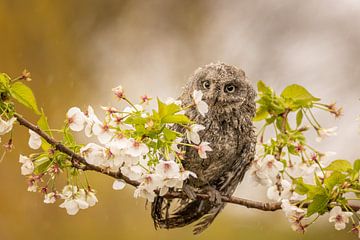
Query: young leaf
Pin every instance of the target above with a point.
(318, 205)
(336, 178)
(4, 81)
(41, 165)
(339, 165)
(261, 114)
(357, 165)
(24, 95)
(179, 119)
(299, 94)
(299, 117)
(263, 88)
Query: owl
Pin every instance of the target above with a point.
(229, 130)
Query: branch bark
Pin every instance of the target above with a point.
(76, 159)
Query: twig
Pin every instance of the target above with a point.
(264, 206)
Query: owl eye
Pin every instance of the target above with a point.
(230, 88)
(206, 84)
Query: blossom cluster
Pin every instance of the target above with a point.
(302, 178)
(139, 144)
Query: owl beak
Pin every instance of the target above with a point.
(216, 98)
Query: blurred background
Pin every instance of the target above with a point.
(78, 50)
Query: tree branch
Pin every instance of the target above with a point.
(76, 159)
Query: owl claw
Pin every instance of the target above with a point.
(189, 191)
(214, 195)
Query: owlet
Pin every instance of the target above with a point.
(229, 130)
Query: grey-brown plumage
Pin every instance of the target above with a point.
(229, 130)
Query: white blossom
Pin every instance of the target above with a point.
(326, 132)
(34, 140)
(136, 148)
(76, 119)
(201, 106)
(339, 217)
(74, 199)
(50, 198)
(103, 132)
(168, 169)
(192, 133)
(90, 119)
(203, 148)
(134, 173)
(93, 154)
(6, 126)
(280, 190)
(27, 165)
(265, 170)
(118, 185)
(141, 191)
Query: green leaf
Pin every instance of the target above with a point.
(179, 119)
(169, 134)
(301, 188)
(4, 81)
(357, 165)
(41, 165)
(339, 165)
(299, 118)
(261, 114)
(299, 94)
(318, 205)
(165, 109)
(24, 95)
(336, 178)
(263, 88)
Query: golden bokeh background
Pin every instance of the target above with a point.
(78, 50)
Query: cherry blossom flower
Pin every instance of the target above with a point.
(103, 132)
(89, 196)
(280, 190)
(203, 148)
(167, 169)
(34, 140)
(134, 173)
(27, 165)
(90, 119)
(118, 91)
(192, 133)
(74, 200)
(119, 143)
(136, 148)
(50, 198)
(76, 119)
(294, 215)
(201, 106)
(339, 217)
(118, 185)
(326, 132)
(93, 154)
(141, 191)
(6, 126)
(265, 170)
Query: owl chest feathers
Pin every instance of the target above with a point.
(224, 135)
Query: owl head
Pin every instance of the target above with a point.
(225, 89)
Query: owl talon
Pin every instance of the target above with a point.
(214, 195)
(189, 191)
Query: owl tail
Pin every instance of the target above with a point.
(187, 213)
